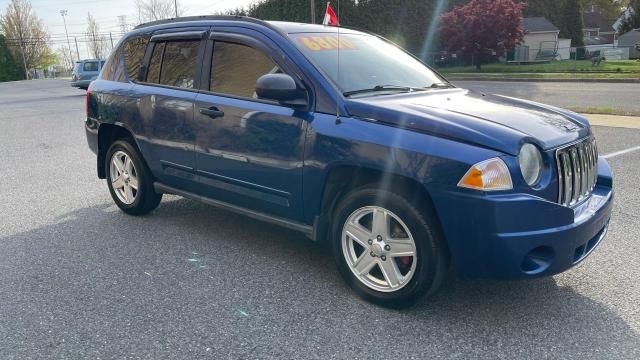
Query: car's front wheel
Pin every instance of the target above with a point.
(388, 250)
(129, 180)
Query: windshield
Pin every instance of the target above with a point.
(366, 62)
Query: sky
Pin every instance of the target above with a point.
(106, 13)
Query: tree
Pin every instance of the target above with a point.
(572, 24)
(609, 8)
(483, 27)
(633, 21)
(410, 23)
(49, 58)
(153, 10)
(97, 43)
(549, 9)
(25, 34)
(10, 70)
(65, 59)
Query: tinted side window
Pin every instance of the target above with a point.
(179, 64)
(235, 69)
(108, 68)
(114, 68)
(134, 55)
(90, 66)
(153, 74)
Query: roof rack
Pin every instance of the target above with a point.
(199, 18)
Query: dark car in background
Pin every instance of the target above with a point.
(404, 174)
(85, 71)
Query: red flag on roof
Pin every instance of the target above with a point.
(330, 17)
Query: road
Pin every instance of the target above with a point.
(80, 279)
(581, 95)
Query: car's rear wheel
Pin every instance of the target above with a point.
(129, 180)
(388, 251)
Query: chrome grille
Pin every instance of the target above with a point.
(577, 171)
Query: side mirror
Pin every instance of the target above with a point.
(281, 88)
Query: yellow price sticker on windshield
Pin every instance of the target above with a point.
(320, 43)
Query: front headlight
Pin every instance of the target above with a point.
(531, 165)
(488, 175)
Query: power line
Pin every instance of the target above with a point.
(43, 40)
(58, 4)
(63, 35)
(58, 41)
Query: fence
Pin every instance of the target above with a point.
(525, 55)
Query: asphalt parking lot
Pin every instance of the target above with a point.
(580, 95)
(80, 279)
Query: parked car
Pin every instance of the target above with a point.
(401, 172)
(85, 71)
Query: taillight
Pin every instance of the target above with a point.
(87, 102)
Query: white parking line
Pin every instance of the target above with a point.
(621, 152)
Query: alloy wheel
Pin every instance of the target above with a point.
(124, 177)
(379, 249)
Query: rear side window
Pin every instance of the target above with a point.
(114, 69)
(90, 66)
(236, 68)
(134, 50)
(179, 64)
(174, 64)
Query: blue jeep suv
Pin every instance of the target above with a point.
(343, 136)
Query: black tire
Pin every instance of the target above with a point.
(146, 199)
(432, 254)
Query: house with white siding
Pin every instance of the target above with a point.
(541, 42)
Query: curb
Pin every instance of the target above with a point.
(479, 78)
(617, 121)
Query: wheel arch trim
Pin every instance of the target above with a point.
(109, 131)
(341, 178)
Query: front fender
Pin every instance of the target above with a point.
(424, 158)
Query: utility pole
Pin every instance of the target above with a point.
(77, 50)
(313, 11)
(175, 3)
(63, 13)
(24, 59)
(111, 38)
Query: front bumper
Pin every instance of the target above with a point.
(514, 236)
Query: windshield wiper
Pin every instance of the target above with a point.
(383, 88)
(441, 85)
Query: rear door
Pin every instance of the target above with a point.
(249, 152)
(166, 106)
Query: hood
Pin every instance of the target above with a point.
(497, 122)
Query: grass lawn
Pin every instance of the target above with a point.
(604, 111)
(631, 68)
(552, 76)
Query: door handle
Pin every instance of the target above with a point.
(212, 112)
